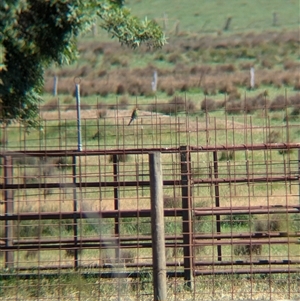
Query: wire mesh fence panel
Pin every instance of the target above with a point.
(76, 224)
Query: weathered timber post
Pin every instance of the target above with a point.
(252, 78)
(157, 227)
(227, 23)
(9, 210)
(187, 229)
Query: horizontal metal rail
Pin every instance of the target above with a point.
(147, 183)
(204, 148)
(140, 244)
(143, 238)
(176, 263)
(147, 213)
(136, 274)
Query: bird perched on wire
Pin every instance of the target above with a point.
(134, 115)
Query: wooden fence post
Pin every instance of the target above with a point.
(157, 227)
(227, 23)
(9, 209)
(252, 78)
(187, 229)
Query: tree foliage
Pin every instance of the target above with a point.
(36, 33)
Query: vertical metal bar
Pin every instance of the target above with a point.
(77, 94)
(299, 172)
(157, 227)
(187, 216)
(55, 84)
(116, 204)
(9, 210)
(217, 202)
(75, 225)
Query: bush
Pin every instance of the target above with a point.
(278, 104)
(273, 223)
(208, 105)
(102, 113)
(247, 249)
(120, 89)
(120, 158)
(236, 220)
(227, 155)
(52, 105)
(171, 201)
(123, 104)
(274, 137)
(174, 106)
(295, 99)
(233, 107)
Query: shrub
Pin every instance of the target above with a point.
(294, 114)
(68, 99)
(71, 252)
(234, 95)
(103, 91)
(85, 106)
(178, 104)
(297, 85)
(174, 57)
(226, 68)
(171, 201)
(120, 158)
(31, 254)
(101, 105)
(63, 163)
(278, 103)
(273, 223)
(120, 89)
(290, 65)
(126, 256)
(295, 99)
(233, 107)
(247, 249)
(102, 113)
(267, 63)
(274, 137)
(227, 155)
(208, 105)
(123, 104)
(236, 220)
(52, 105)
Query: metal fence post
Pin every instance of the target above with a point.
(157, 227)
(116, 204)
(217, 201)
(187, 229)
(75, 225)
(9, 210)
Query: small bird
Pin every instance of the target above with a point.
(134, 115)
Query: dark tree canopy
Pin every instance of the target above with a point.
(36, 33)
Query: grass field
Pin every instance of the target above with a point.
(203, 98)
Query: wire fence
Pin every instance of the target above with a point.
(77, 223)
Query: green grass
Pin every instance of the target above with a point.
(197, 16)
